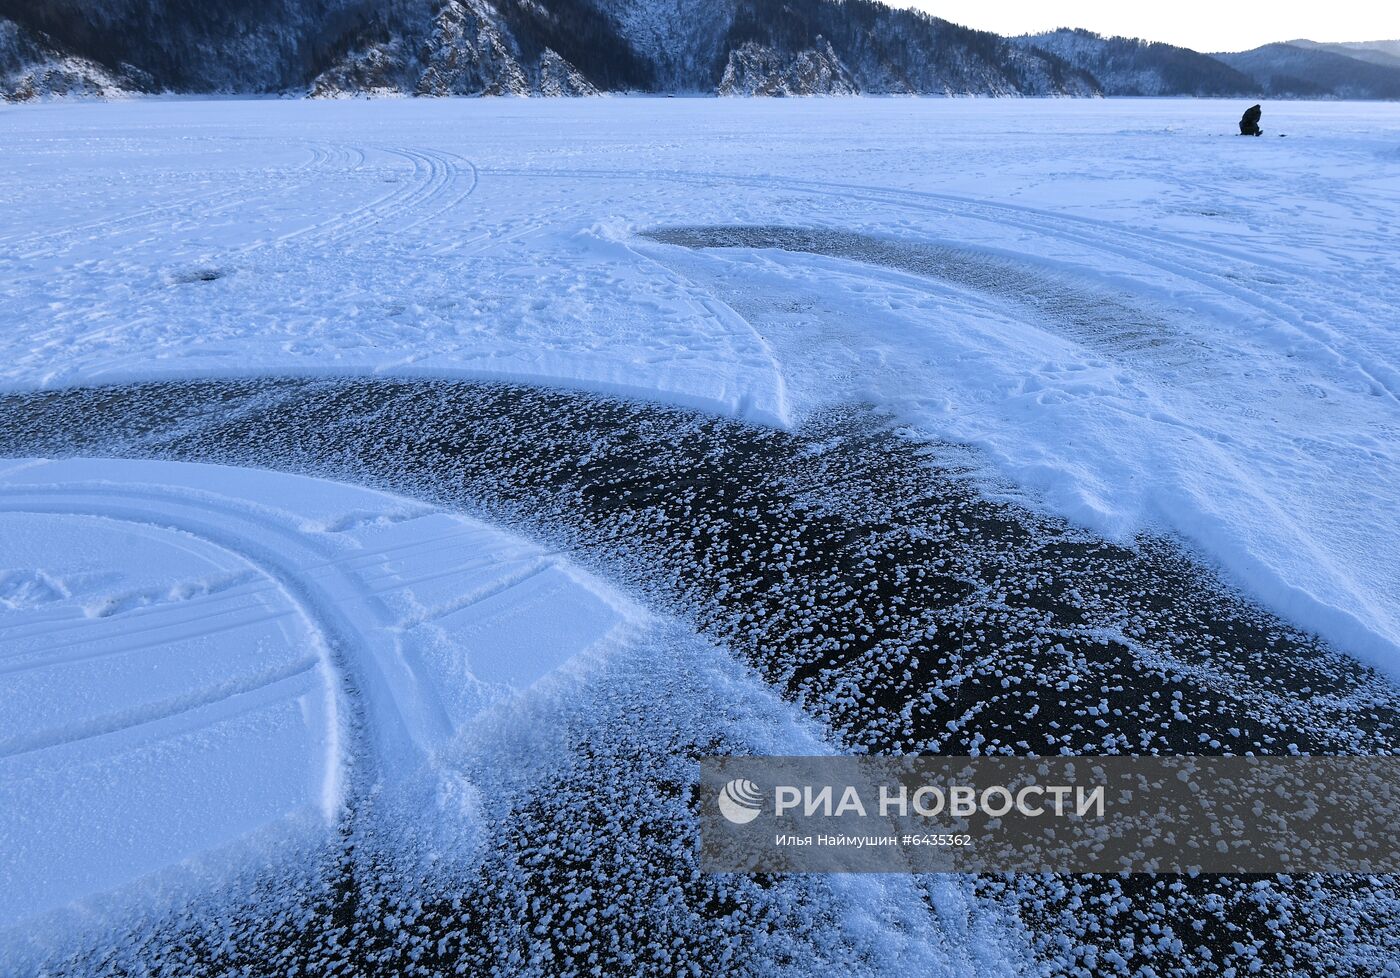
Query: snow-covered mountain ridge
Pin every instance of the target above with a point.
(1295, 69)
(1127, 66)
(333, 48)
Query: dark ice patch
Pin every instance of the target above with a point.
(863, 575)
(1111, 324)
(189, 276)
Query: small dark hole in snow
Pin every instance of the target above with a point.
(188, 275)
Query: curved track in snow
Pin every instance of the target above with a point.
(1270, 288)
(432, 188)
(239, 651)
(504, 709)
(1096, 319)
(431, 185)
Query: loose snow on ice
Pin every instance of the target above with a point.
(1241, 389)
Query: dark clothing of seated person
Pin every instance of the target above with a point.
(1249, 124)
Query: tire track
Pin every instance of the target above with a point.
(206, 706)
(432, 175)
(1176, 256)
(134, 639)
(425, 195)
(1190, 260)
(1095, 319)
(454, 164)
(64, 625)
(281, 554)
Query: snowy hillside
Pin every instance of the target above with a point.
(1376, 52)
(31, 68)
(513, 47)
(1297, 69)
(729, 47)
(1127, 66)
(187, 46)
(868, 47)
(1311, 72)
(336, 48)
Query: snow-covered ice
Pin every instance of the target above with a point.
(1141, 321)
(164, 696)
(1241, 389)
(191, 650)
(215, 677)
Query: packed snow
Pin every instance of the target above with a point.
(1241, 390)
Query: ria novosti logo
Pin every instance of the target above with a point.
(740, 801)
(1101, 814)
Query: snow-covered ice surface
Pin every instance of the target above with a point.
(137, 655)
(1239, 387)
(1138, 321)
(243, 708)
(867, 578)
(180, 642)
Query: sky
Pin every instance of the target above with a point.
(1206, 25)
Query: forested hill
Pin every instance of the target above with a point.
(1295, 69)
(570, 47)
(1127, 66)
(468, 47)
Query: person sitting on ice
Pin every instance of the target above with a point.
(1249, 123)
